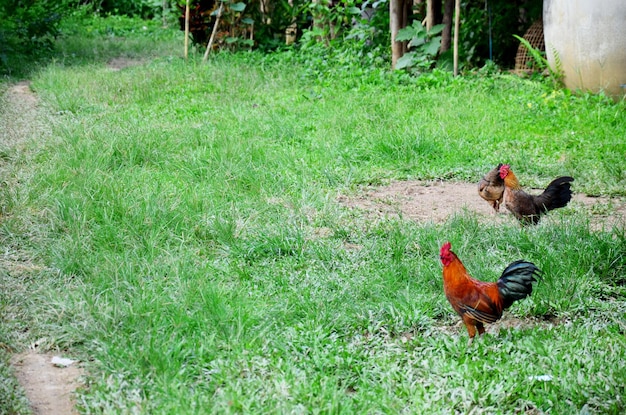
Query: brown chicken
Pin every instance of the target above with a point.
(529, 208)
(478, 302)
(491, 188)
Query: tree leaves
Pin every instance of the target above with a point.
(424, 45)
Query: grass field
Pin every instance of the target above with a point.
(186, 241)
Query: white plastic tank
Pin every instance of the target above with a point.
(586, 41)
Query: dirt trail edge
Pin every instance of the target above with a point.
(49, 387)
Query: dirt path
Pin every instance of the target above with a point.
(49, 387)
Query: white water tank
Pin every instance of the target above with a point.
(586, 40)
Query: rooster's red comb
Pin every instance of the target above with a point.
(504, 170)
(445, 248)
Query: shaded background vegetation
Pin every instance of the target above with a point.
(29, 27)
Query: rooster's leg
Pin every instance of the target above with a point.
(470, 324)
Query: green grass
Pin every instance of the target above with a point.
(193, 254)
(84, 39)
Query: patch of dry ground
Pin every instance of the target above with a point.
(437, 201)
(507, 322)
(48, 387)
(117, 64)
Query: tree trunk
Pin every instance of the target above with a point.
(186, 29)
(164, 13)
(319, 21)
(457, 23)
(398, 16)
(394, 26)
(446, 35)
(433, 13)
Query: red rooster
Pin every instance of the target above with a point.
(478, 302)
(529, 208)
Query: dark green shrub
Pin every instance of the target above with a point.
(28, 28)
(146, 9)
(504, 18)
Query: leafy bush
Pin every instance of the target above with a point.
(270, 26)
(504, 18)
(372, 25)
(146, 9)
(29, 27)
(424, 45)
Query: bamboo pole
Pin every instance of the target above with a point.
(186, 29)
(394, 26)
(210, 44)
(164, 16)
(457, 23)
(430, 15)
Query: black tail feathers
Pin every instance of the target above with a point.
(516, 282)
(557, 194)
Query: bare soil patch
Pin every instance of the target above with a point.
(48, 387)
(117, 64)
(507, 322)
(437, 201)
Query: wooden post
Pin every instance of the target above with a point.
(164, 16)
(457, 23)
(448, 21)
(210, 44)
(186, 29)
(394, 25)
(430, 15)
(319, 21)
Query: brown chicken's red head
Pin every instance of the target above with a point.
(445, 254)
(504, 170)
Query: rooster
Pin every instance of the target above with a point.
(491, 188)
(478, 302)
(529, 208)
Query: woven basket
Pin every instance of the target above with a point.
(524, 62)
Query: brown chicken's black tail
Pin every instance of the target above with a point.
(557, 194)
(516, 282)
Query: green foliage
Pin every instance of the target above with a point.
(505, 18)
(237, 24)
(348, 25)
(556, 75)
(245, 25)
(372, 24)
(332, 18)
(13, 401)
(145, 9)
(423, 44)
(270, 25)
(27, 29)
